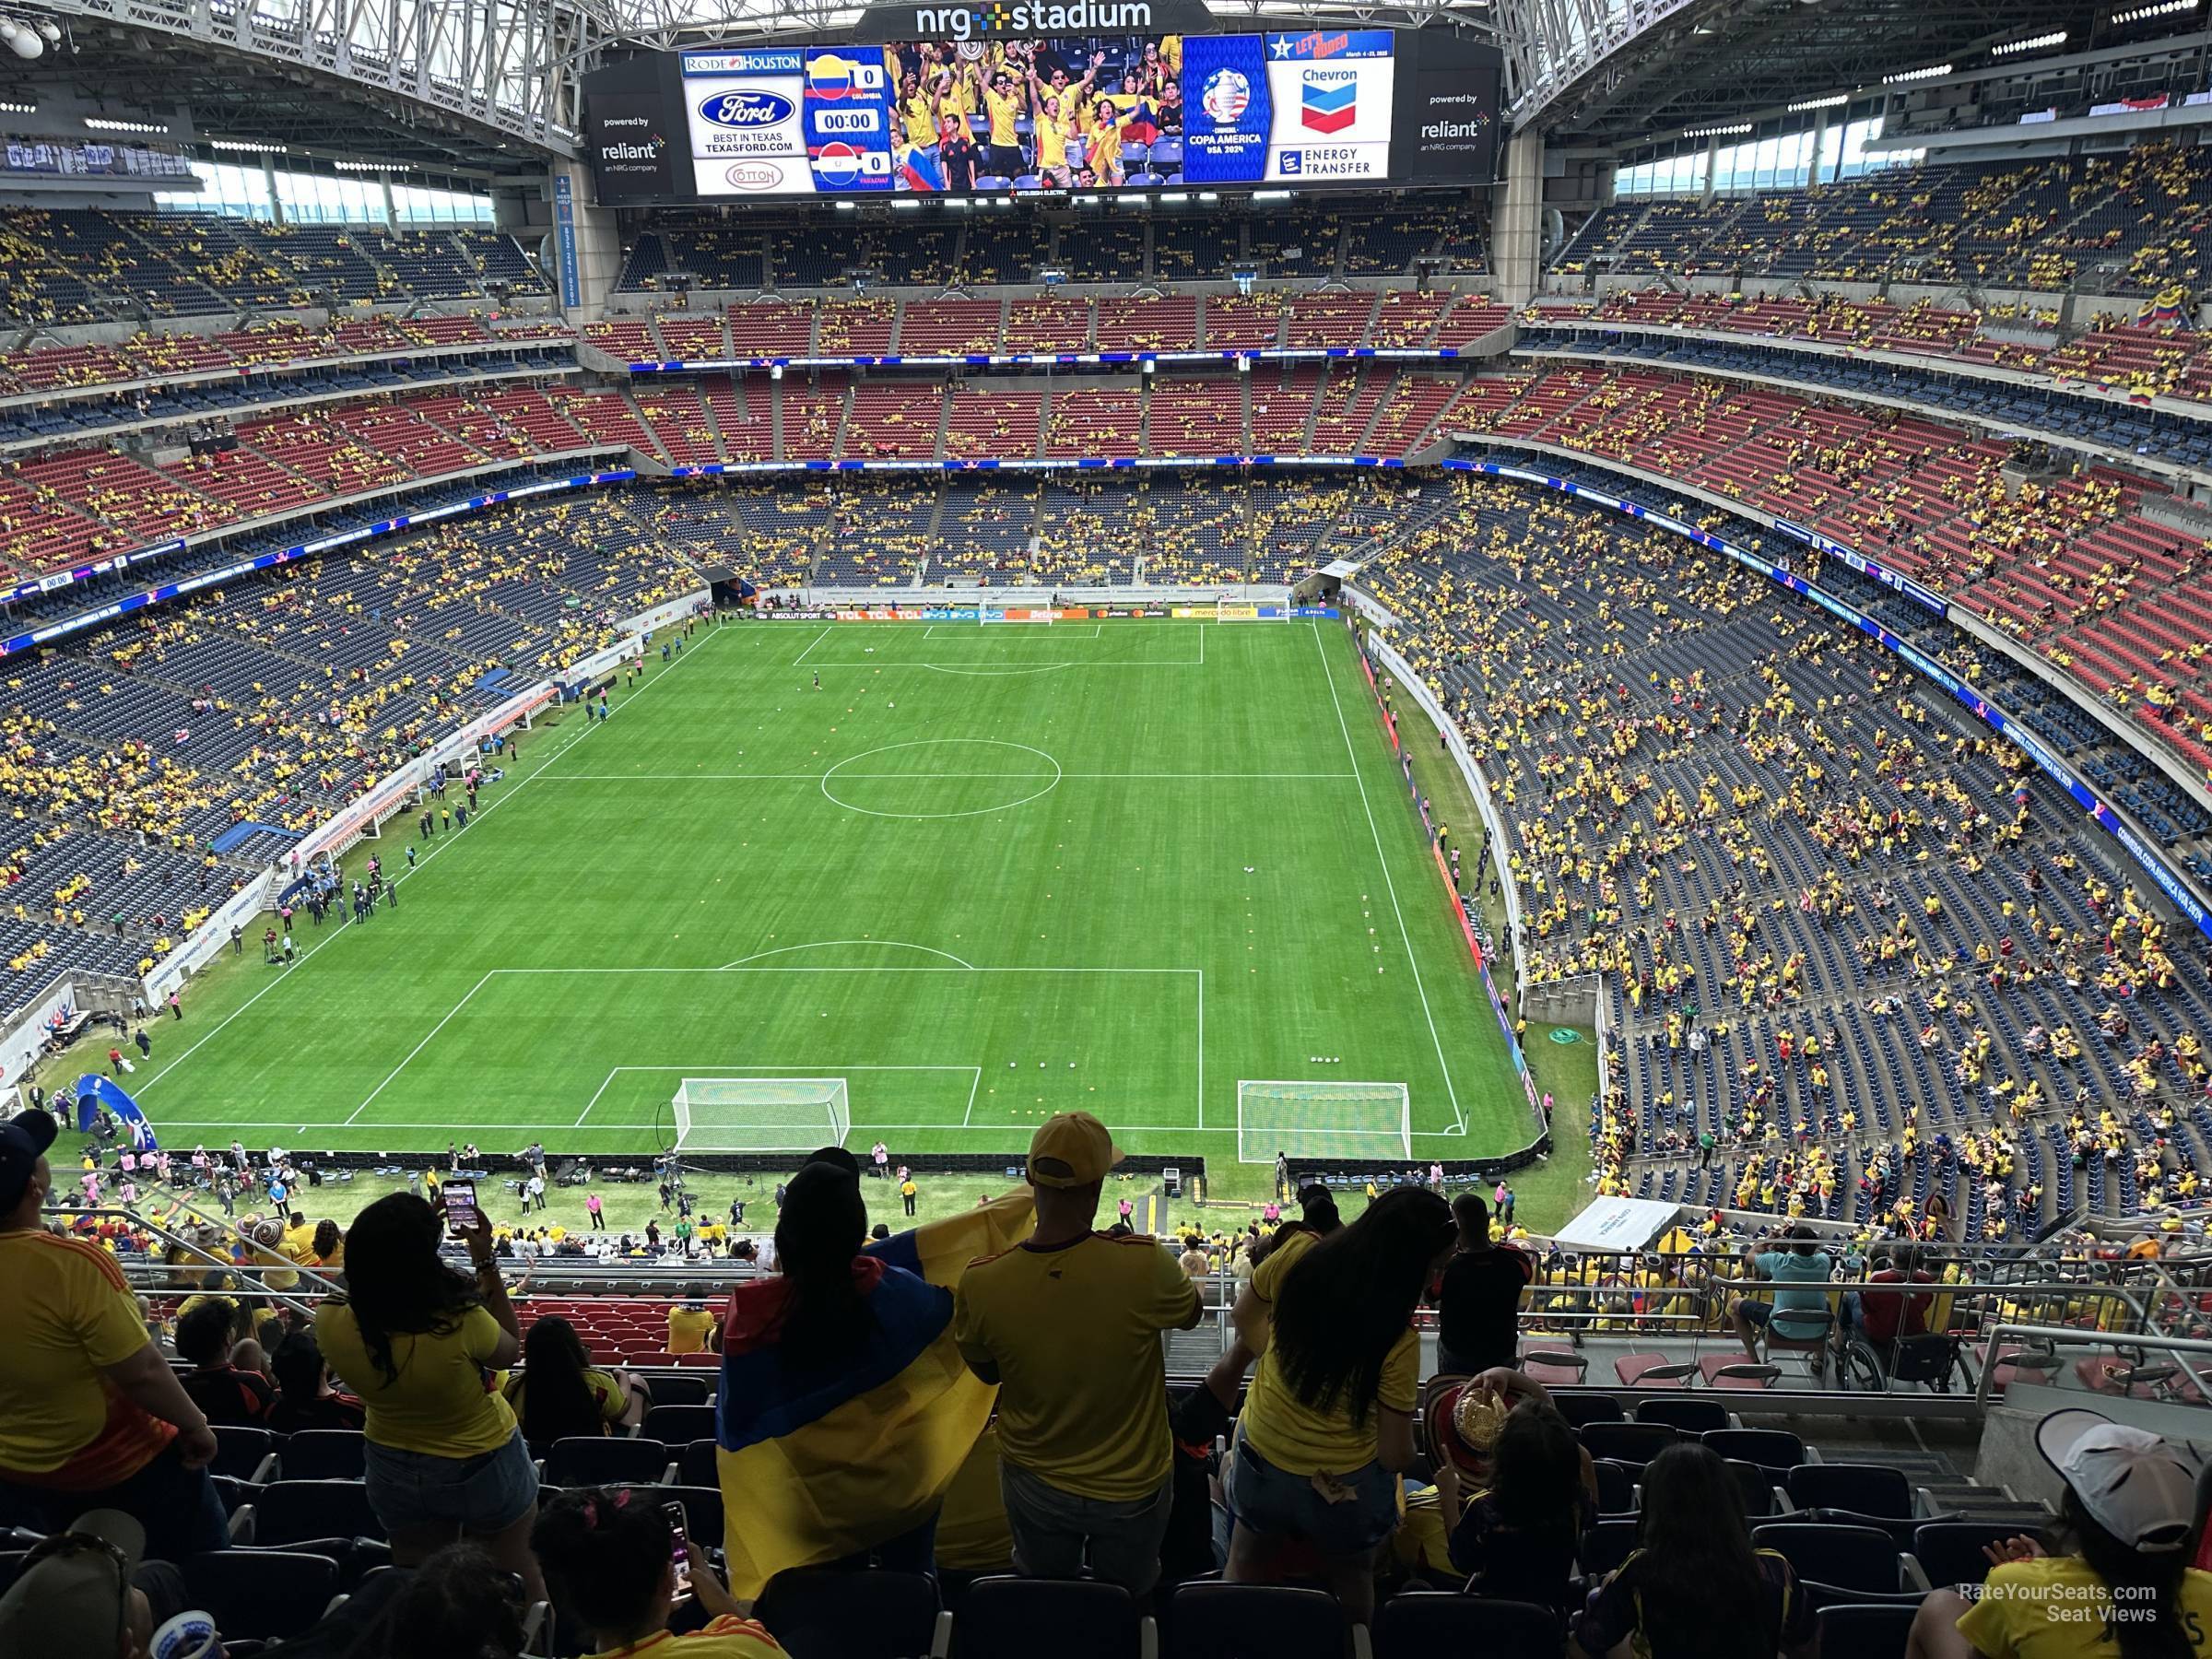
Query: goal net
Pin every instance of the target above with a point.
(1323, 1120)
(760, 1115)
(1244, 610)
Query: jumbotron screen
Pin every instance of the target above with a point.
(963, 111)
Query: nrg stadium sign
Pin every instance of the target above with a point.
(1024, 17)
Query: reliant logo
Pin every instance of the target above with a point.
(747, 107)
(1455, 129)
(648, 151)
(1029, 18)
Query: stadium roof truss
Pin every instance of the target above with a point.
(509, 67)
(1611, 70)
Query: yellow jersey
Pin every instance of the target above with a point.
(438, 1403)
(1290, 1433)
(1072, 1331)
(1003, 109)
(687, 1329)
(2054, 1606)
(67, 1315)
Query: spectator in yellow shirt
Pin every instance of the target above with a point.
(413, 1340)
(91, 1415)
(691, 1329)
(1067, 1323)
(1327, 1427)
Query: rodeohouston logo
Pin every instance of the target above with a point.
(747, 107)
(1029, 18)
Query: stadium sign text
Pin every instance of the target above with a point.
(1072, 17)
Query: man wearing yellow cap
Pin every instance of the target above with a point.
(1067, 1323)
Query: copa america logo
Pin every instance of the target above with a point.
(1225, 96)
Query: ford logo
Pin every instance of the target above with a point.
(748, 108)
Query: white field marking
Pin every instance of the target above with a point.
(632, 1129)
(974, 629)
(965, 1115)
(438, 846)
(816, 640)
(734, 968)
(884, 968)
(1050, 786)
(1389, 886)
(831, 945)
(728, 1069)
(1204, 777)
(420, 1046)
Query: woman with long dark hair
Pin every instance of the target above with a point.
(2130, 1523)
(808, 1342)
(1327, 1427)
(559, 1392)
(1517, 1537)
(609, 1554)
(416, 1342)
(1694, 1588)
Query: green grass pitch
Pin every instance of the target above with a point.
(983, 874)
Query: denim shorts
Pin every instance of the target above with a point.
(487, 1493)
(1278, 1504)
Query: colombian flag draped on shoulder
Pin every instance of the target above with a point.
(813, 1471)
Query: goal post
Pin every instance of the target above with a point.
(1245, 610)
(1323, 1120)
(760, 1115)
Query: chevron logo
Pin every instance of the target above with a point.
(1327, 101)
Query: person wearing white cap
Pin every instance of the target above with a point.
(75, 1593)
(2125, 1589)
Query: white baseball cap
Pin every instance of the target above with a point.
(2139, 1486)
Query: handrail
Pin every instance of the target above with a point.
(2177, 1347)
(254, 1271)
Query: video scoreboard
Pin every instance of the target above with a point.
(1028, 98)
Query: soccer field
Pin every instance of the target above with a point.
(982, 874)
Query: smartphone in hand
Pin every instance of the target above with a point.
(679, 1544)
(461, 1212)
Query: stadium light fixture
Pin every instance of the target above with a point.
(243, 146)
(844, 207)
(1733, 129)
(2144, 13)
(1905, 76)
(1270, 195)
(17, 109)
(2057, 37)
(1177, 197)
(1834, 101)
(101, 124)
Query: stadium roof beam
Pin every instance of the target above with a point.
(494, 69)
(1614, 70)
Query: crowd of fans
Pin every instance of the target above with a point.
(887, 1406)
(1858, 954)
(2134, 221)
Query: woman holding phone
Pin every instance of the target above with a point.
(414, 1340)
(610, 1558)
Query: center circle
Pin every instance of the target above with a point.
(991, 777)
